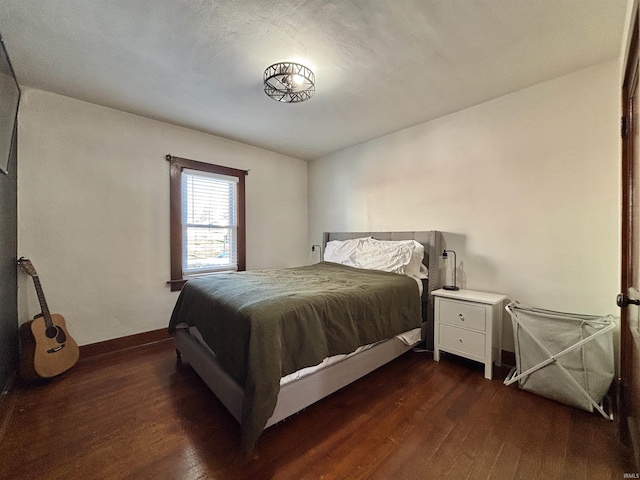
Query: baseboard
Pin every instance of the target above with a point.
(122, 343)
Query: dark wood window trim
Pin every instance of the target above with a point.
(177, 164)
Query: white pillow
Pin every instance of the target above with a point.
(414, 267)
(379, 256)
(402, 256)
(343, 251)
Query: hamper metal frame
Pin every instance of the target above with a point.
(601, 324)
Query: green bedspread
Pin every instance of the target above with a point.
(265, 324)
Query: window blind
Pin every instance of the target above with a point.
(209, 222)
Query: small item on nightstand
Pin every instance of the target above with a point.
(450, 267)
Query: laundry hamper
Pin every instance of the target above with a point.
(566, 357)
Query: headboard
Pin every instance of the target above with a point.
(433, 245)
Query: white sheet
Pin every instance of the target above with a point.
(410, 337)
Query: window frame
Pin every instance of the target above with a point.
(177, 164)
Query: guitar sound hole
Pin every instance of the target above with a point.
(61, 338)
(51, 332)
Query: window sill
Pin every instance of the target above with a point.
(176, 285)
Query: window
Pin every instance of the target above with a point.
(207, 219)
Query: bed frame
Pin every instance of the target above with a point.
(301, 393)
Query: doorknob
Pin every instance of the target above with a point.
(623, 300)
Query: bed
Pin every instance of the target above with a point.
(260, 374)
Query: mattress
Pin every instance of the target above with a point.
(409, 338)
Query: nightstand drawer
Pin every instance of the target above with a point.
(462, 340)
(463, 314)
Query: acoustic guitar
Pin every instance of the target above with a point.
(46, 348)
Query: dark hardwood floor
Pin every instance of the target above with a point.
(137, 414)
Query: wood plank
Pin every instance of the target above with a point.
(122, 343)
(137, 414)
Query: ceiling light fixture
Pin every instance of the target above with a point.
(289, 82)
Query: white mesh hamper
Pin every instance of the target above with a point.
(566, 357)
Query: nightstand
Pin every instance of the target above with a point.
(468, 324)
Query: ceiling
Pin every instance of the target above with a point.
(380, 65)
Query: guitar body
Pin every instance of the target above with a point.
(46, 347)
(47, 351)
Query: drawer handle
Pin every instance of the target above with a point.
(460, 340)
(461, 317)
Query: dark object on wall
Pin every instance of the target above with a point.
(8, 272)
(9, 100)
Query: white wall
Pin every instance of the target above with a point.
(525, 187)
(93, 211)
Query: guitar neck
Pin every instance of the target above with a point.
(43, 302)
